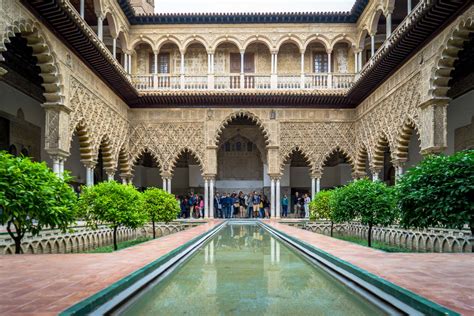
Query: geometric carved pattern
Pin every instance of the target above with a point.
(103, 124)
(166, 141)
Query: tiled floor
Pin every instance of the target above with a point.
(447, 279)
(48, 284)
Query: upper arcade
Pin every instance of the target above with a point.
(305, 59)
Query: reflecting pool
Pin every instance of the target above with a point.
(244, 270)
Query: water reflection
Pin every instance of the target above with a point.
(244, 270)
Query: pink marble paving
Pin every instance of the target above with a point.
(445, 278)
(48, 284)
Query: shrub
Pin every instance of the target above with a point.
(160, 206)
(33, 197)
(320, 207)
(112, 204)
(372, 203)
(439, 191)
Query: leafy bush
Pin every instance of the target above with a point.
(372, 203)
(439, 191)
(33, 197)
(320, 207)
(112, 204)
(160, 206)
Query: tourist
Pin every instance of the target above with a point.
(307, 200)
(248, 203)
(191, 205)
(266, 206)
(235, 204)
(256, 204)
(261, 207)
(242, 204)
(201, 206)
(218, 205)
(182, 204)
(297, 204)
(284, 206)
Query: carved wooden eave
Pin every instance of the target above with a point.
(427, 20)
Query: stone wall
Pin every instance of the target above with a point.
(83, 239)
(423, 240)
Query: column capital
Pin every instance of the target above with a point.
(209, 176)
(166, 175)
(56, 153)
(316, 174)
(329, 50)
(399, 162)
(110, 171)
(275, 176)
(89, 163)
(376, 169)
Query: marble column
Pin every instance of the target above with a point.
(409, 6)
(318, 185)
(302, 70)
(114, 47)
(90, 166)
(242, 69)
(182, 71)
(372, 45)
(211, 197)
(388, 25)
(206, 198)
(272, 197)
(165, 184)
(278, 199)
(169, 185)
(100, 28)
(110, 174)
(81, 8)
(313, 187)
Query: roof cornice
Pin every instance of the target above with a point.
(244, 18)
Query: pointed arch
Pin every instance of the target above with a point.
(361, 158)
(47, 62)
(447, 55)
(340, 150)
(381, 145)
(85, 141)
(403, 139)
(184, 150)
(242, 114)
(295, 149)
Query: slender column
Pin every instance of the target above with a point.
(129, 63)
(242, 69)
(276, 63)
(182, 70)
(206, 198)
(210, 70)
(124, 180)
(302, 70)
(61, 167)
(89, 172)
(208, 63)
(211, 197)
(114, 47)
(388, 25)
(272, 64)
(318, 185)
(165, 184)
(356, 62)
(100, 28)
(169, 185)
(81, 8)
(110, 175)
(313, 187)
(125, 62)
(409, 6)
(329, 70)
(155, 65)
(375, 173)
(372, 45)
(272, 198)
(360, 61)
(278, 199)
(56, 166)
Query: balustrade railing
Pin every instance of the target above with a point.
(316, 81)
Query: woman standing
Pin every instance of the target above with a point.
(307, 200)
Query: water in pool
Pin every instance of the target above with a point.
(244, 270)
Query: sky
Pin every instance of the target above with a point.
(233, 6)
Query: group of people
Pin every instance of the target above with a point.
(241, 205)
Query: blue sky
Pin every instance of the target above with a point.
(232, 6)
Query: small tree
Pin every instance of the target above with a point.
(114, 205)
(439, 191)
(372, 203)
(320, 207)
(160, 206)
(33, 197)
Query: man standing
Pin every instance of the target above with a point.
(306, 202)
(297, 204)
(218, 205)
(256, 204)
(284, 206)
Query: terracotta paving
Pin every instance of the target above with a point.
(446, 279)
(48, 284)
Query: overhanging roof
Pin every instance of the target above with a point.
(427, 21)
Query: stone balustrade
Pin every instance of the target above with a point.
(82, 239)
(423, 240)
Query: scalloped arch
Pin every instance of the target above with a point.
(403, 139)
(182, 151)
(47, 61)
(341, 150)
(246, 114)
(446, 57)
(297, 148)
(85, 141)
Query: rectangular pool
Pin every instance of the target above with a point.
(245, 270)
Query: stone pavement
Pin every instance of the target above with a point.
(48, 284)
(445, 278)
